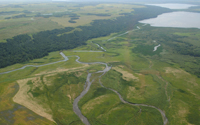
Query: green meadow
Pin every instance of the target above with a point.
(53, 16)
(167, 78)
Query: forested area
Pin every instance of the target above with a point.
(57, 14)
(179, 46)
(188, 53)
(9, 12)
(18, 16)
(23, 48)
(99, 14)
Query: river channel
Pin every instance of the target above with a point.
(88, 84)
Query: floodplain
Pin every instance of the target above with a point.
(167, 78)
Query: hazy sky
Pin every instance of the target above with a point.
(147, 1)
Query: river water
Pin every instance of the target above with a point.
(88, 84)
(155, 48)
(62, 54)
(165, 120)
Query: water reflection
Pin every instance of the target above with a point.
(175, 19)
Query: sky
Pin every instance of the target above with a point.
(147, 1)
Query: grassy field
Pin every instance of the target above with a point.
(157, 80)
(109, 8)
(138, 77)
(32, 24)
(38, 83)
(83, 20)
(164, 78)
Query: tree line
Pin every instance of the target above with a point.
(23, 48)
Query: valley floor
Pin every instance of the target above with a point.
(129, 83)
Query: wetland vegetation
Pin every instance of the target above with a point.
(168, 78)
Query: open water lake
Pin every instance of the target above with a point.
(179, 19)
(175, 19)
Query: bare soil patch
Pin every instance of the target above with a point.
(23, 98)
(63, 70)
(182, 114)
(176, 72)
(126, 75)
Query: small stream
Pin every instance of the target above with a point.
(165, 120)
(89, 82)
(123, 34)
(62, 54)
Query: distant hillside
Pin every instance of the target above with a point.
(140, 1)
(23, 48)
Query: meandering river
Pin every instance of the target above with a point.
(88, 84)
(62, 54)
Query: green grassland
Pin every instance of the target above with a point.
(32, 23)
(167, 78)
(7, 9)
(102, 106)
(154, 71)
(58, 82)
(52, 57)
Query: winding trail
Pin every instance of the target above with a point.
(89, 82)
